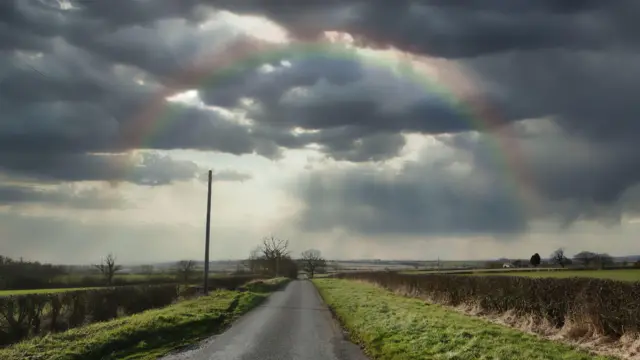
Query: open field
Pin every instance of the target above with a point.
(614, 274)
(391, 326)
(147, 335)
(40, 291)
(127, 278)
(617, 274)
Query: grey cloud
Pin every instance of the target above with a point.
(462, 186)
(433, 26)
(428, 198)
(454, 29)
(375, 147)
(227, 175)
(372, 103)
(50, 239)
(60, 109)
(69, 197)
(592, 92)
(148, 169)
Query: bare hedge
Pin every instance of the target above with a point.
(25, 316)
(30, 315)
(233, 282)
(605, 307)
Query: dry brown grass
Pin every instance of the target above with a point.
(586, 323)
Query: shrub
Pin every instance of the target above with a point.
(605, 307)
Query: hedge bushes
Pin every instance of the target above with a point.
(232, 282)
(24, 316)
(604, 307)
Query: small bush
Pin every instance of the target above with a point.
(605, 307)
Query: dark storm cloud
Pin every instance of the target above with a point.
(437, 27)
(462, 29)
(68, 101)
(574, 60)
(146, 169)
(92, 80)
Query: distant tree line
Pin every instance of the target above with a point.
(584, 259)
(21, 274)
(273, 258)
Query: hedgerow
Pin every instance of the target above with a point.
(25, 316)
(604, 307)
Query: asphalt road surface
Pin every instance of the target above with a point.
(293, 323)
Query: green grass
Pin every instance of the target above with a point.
(394, 327)
(40, 291)
(618, 274)
(147, 335)
(73, 279)
(269, 285)
(167, 276)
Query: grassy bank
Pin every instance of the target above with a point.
(390, 326)
(147, 335)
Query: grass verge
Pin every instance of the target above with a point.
(147, 335)
(41, 291)
(391, 326)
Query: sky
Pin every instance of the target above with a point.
(364, 129)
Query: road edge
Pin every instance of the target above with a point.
(347, 335)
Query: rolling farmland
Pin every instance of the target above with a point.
(617, 274)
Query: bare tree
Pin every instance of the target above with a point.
(604, 260)
(558, 257)
(254, 262)
(185, 269)
(274, 250)
(312, 261)
(108, 268)
(586, 258)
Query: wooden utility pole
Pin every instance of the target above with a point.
(206, 246)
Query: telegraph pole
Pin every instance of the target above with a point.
(206, 246)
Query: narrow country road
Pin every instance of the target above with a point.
(293, 323)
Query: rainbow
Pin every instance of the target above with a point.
(449, 81)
